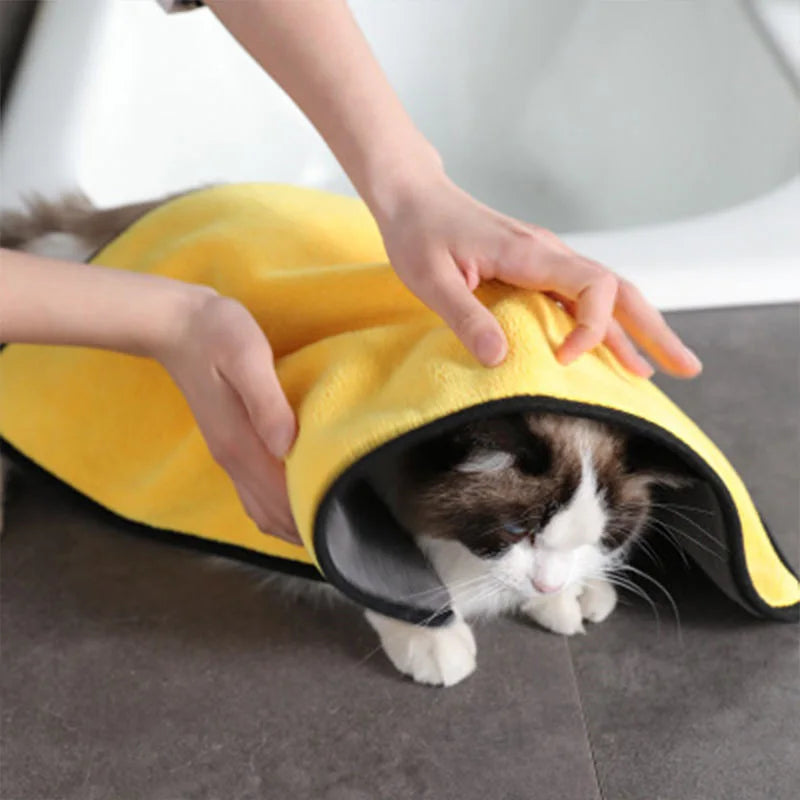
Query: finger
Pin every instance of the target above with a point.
(537, 259)
(253, 378)
(593, 311)
(274, 490)
(623, 349)
(649, 330)
(616, 340)
(259, 478)
(289, 535)
(261, 484)
(268, 521)
(251, 505)
(443, 289)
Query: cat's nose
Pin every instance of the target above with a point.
(547, 588)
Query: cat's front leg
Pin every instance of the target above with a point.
(565, 611)
(597, 600)
(559, 612)
(440, 656)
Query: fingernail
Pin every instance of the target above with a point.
(289, 532)
(490, 348)
(563, 354)
(280, 442)
(695, 361)
(647, 370)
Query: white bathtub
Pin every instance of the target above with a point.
(659, 137)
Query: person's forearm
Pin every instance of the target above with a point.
(316, 52)
(48, 301)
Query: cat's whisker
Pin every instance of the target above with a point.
(670, 537)
(640, 541)
(482, 599)
(637, 590)
(491, 585)
(649, 551)
(698, 528)
(477, 596)
(675, 535)
(660, 527)
(438, 589)
(444, 607)
(369, 655)
(502, 582)
(684, 507)
(666, 593)
(610, 573)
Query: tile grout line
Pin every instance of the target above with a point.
(600, 793)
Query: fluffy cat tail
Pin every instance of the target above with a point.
(69, 227)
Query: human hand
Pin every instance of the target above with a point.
(210, 345)
(442, 243)
(222, 362)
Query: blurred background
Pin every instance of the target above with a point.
(661, 137)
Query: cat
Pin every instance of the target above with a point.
(529, 513)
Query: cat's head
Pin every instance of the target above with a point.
(540, 500)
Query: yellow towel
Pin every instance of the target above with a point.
(365, 366)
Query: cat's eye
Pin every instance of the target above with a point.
(514, 528)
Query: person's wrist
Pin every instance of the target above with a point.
(177, 312)
(394, 180)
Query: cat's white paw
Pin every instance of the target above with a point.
(560, 613)
(440, 656)
(598, 600)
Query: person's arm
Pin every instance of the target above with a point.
(317, 53)
(210, 345)
(440, 240)
(50, 301)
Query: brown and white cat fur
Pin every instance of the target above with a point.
(525, 513)
(528, 513)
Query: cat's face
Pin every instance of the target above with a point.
(538, 501)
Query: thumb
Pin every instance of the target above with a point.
(254, 379)
(444, 290)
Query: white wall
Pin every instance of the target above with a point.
(577, 114)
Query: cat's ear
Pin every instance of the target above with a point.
(498, 443)
(481, 461)
(487, 445)
(654, 463)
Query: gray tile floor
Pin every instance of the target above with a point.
(132, 669)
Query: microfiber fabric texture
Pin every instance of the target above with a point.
(369, 370)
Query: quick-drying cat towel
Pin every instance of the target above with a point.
(368, 370)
